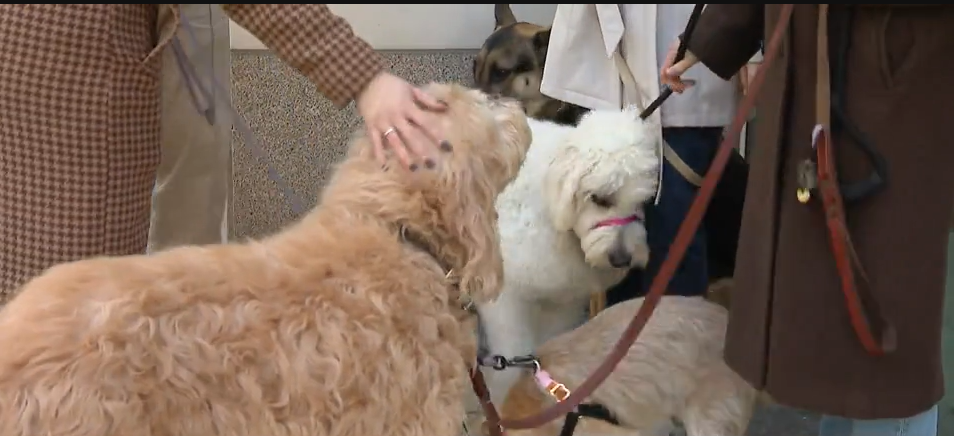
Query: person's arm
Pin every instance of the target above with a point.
(727, 36)
(316, 42)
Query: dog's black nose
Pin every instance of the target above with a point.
(620, 258)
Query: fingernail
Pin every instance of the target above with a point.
(446, 146)
(413, 167)
(429, 163)
(442, 102)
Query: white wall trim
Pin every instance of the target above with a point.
(418, 26)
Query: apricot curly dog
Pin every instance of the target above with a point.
(344, 324)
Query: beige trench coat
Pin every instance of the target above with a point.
(191, 202)
(789, 330)
(79, 118)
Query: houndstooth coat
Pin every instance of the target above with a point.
(79, 118)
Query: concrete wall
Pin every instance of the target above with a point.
(302, 133)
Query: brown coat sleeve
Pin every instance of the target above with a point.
(727, 36)
(315, 41)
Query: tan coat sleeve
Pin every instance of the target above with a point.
(727, 36)
(318, 43)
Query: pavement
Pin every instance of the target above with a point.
(782, 421)
(946, 425)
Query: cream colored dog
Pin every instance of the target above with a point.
(570, 226)
(344, 324)
(674, 370)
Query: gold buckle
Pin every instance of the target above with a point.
(558, 391)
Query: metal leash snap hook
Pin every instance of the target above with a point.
(500, 363)
(807, 173)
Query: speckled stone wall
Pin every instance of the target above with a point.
(302, 133)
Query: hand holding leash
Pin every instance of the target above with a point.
(671, 72)
(681, 58)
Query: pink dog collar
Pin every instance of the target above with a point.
(613, 222)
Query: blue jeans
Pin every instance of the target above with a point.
(923, 424)
(696, 146)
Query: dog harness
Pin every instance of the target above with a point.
(558, 391)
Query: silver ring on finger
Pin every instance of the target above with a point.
(388, 132)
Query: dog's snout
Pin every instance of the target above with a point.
(619, 258)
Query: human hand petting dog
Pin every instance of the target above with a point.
(671, 75)
(401, 117)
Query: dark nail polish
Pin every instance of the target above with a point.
(446, 146)
(413, 167)
(429, 163)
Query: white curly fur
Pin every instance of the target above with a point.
(554, 259)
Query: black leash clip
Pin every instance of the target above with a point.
(501, 363)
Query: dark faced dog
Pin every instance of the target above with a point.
(510, 63)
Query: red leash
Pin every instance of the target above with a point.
(877, 336)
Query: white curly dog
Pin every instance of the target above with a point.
(570, 226)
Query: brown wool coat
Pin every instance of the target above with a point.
(789, 329)
(79, 118)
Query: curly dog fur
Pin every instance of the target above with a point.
(674, 370)
(556, 251)
(335, 326)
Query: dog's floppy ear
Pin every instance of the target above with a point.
(541, 40)
(562, 185)
(503, 16)
(474, 226)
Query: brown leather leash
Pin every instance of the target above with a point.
(876, 334)
(661, 281)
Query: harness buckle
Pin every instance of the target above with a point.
(558, 391)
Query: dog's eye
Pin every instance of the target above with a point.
(601, 201)
(498, 74)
